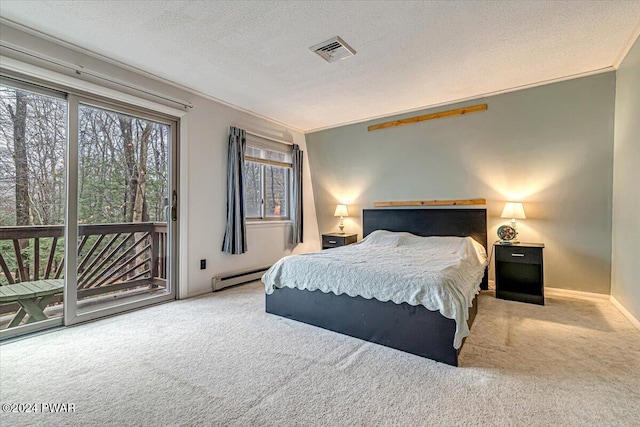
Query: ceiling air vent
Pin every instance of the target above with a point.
(333, 49)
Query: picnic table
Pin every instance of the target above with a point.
(33, 297)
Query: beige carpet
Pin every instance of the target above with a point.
(220, 360)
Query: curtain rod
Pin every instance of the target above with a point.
(268, 137)
(81, 70)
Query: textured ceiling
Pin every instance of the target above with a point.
(256, 55)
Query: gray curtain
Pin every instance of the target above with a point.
(235, 235)
(296, 194)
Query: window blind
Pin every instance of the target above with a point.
(266, 151)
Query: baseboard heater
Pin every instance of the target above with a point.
(225, 280)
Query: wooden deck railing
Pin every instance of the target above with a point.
(111, 257)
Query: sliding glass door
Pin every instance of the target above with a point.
(86, 228)
(123, 195)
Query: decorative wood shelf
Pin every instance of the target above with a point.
(431, 203)
(440, 115)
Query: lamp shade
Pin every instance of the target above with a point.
(513, 210)
(341, 210)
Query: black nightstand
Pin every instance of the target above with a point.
(519, 272)
(333, 240)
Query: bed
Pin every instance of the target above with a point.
(410, 328)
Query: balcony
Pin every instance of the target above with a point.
(116, 262)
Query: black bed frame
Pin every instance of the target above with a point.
(413, 329)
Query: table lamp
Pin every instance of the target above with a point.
(513, 210)
(341, 211)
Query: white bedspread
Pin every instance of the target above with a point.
(440, 273)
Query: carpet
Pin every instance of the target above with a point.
(220, 360)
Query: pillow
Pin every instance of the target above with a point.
(385, 238)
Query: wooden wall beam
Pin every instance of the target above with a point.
(431, 203)
(440, 115)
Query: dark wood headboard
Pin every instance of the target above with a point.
(428, 222)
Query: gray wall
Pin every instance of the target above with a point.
(550, 147)
(625, 263)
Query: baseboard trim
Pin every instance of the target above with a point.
(635, 322)
(572, 293)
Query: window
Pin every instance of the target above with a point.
(267, 176)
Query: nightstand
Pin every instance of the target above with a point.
(333, 240)
(519, 272)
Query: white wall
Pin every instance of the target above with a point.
(625, 258)
(267, 242)
(203, 167)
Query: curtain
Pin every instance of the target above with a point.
(296, 194)
(235, 235)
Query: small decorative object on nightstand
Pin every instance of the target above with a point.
(519, 272)
(333, 240)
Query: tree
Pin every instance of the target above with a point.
(19, 118)
(130, 162)
(139, 205)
